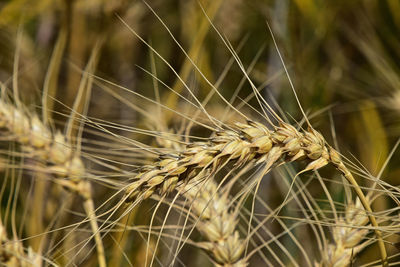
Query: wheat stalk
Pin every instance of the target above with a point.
(66, 165)
(244, 143)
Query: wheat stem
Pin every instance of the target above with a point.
(90, 211)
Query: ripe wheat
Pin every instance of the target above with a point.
(12, 252)
(38, 142)
(191, 171)
(246, 142)
(348, 235)
(215, 217)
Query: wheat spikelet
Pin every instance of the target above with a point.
(38, 142)
(215, 217)
(347, 237)
(217, 222)
(12, 252)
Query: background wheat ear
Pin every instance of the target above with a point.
(213, 213)
(65, 164)
(348, 235)
(13, 253)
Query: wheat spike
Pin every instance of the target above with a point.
(37, 140)
(217, 222)
(215, 219)
(12, 252)
(66, 165)
(245, 143)
(347, 237)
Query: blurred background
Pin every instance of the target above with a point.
(342, 56)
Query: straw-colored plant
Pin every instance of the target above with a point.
(38, 142)
(348, 234)
(213, 187)
(251, 142)
(13, 253)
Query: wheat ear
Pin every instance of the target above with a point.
(347, 235)
(12, 252)
(38, 142)
(245, 143)
(212, 210)
(217, 221)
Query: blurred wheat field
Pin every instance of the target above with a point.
(199, 133)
